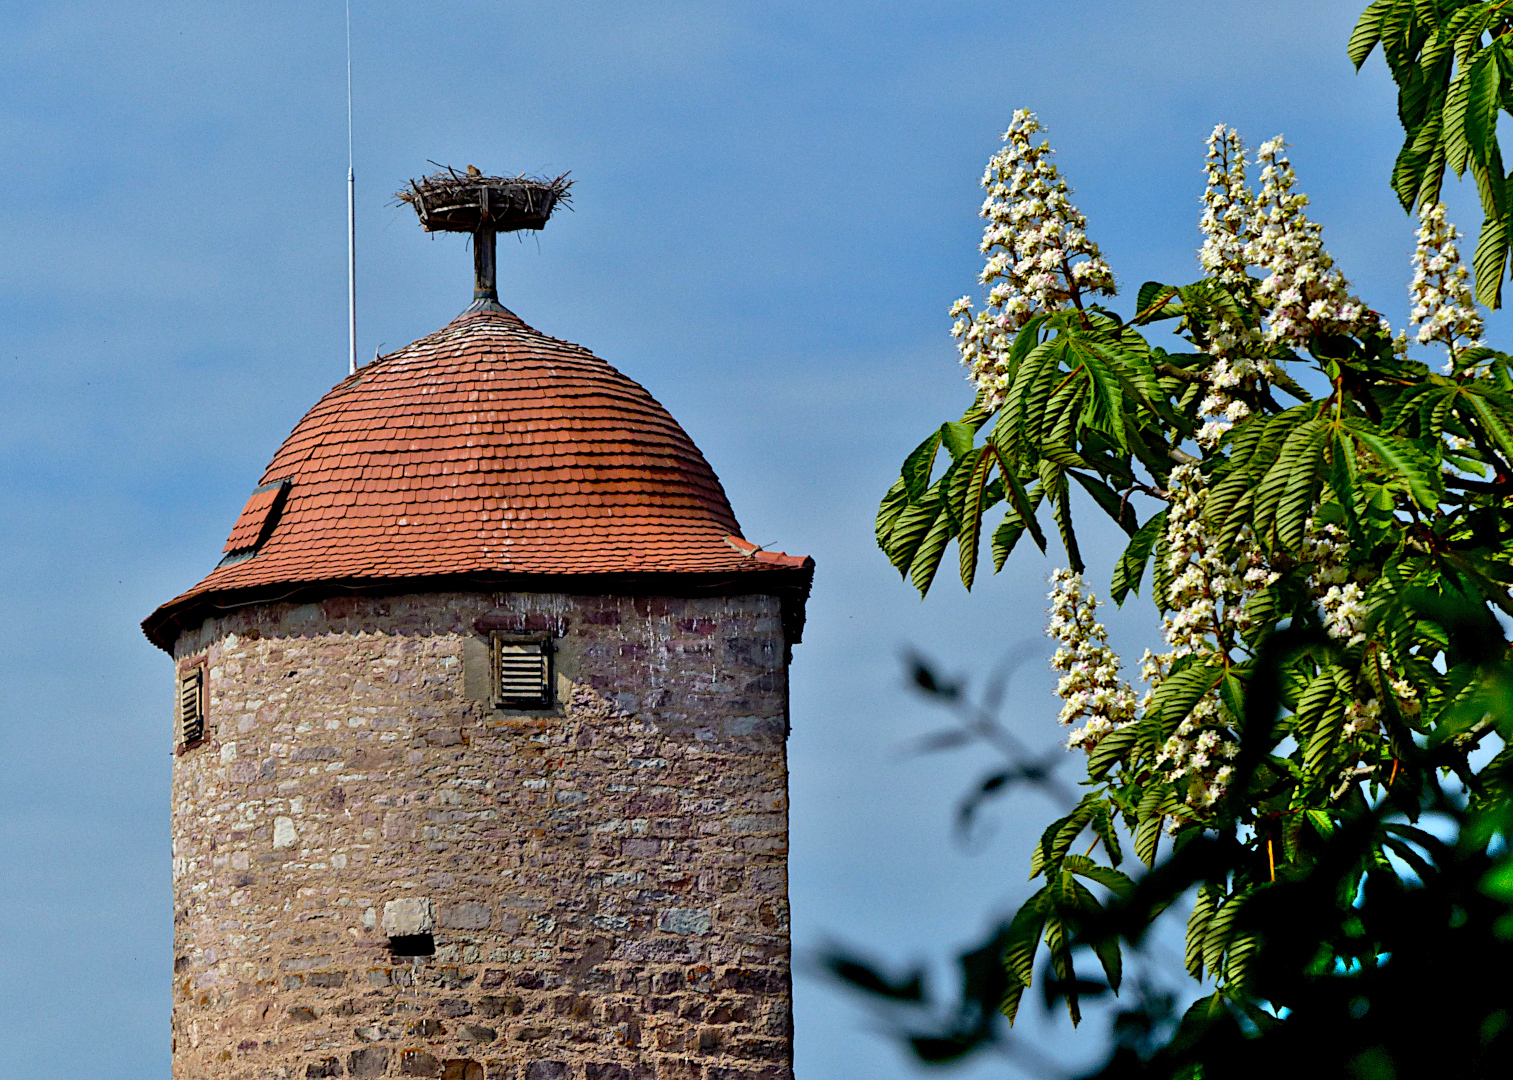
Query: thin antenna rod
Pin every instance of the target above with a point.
(351, 217)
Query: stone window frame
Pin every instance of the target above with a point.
(191, 728)
(497, 699)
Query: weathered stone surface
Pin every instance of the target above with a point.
(471, 916)
(604, 883)
(369, 1061)
(408, 917)
(418, 1063)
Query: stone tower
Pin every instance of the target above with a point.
(480, 738)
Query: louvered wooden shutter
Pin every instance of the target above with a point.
(522, 673)
(192, 706)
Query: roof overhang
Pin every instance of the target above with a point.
(789, 581)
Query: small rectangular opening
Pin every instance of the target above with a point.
(190, 707)
(413, 945)
(522, 672)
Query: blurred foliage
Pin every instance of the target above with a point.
(1356, 965)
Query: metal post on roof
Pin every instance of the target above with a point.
(484, 206)
(351, 217)
(484, 285)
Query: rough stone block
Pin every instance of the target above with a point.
(418, 1063)
(507, 1005)
(684, 921)
(409, 917)
(368, 1062)
(466, 916)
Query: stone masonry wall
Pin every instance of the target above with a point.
(606, 881)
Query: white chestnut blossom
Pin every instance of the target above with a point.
(1039, 256)
(1362, 717)
(1229, 227)
(1206, 607)
(1228, 220)
(1197, 757)
(1324, 550)
(1039, 259)
(1444, 308)
(1205, 600)
(1090, 684)
(1307, 295)
(1342, 606)
(1344, 613)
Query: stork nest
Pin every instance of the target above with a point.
(452, 201)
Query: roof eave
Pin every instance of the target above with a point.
(790, 582)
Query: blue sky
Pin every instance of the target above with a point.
(776, 204)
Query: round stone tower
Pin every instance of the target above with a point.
(479, 731)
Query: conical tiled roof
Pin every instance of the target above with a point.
(489, 452)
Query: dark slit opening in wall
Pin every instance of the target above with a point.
(413, 945)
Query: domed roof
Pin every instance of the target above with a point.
(486, 452)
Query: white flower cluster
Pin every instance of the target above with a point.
(1206, 602)
(1307, 294)
(1090, 684)
(1362, 717)
(1039, 255)
(1206, 598)
(1324, 551)
(1220, 409)
(1228, 219)
(1229, 227)
(1344, 613)
(1443, 306)
(1200, 753)
(1303, 291)
(1342, 606)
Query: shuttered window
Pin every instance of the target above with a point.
(191, 706)
(522, 673)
